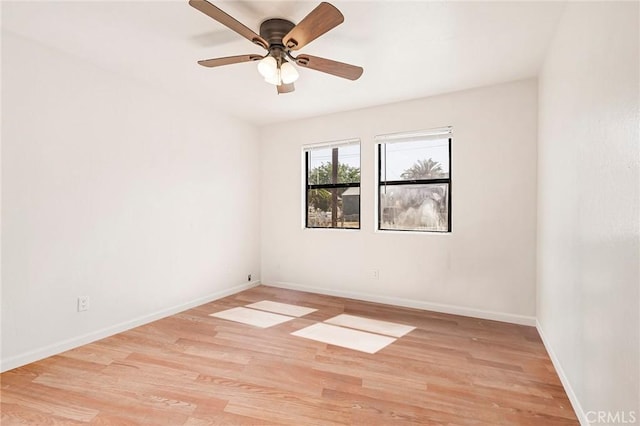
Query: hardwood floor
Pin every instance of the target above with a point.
(193, 369)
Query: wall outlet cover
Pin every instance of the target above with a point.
(83, 303)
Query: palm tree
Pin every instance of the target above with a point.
(424, 169)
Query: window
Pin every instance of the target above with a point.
(414, 176)
(332, 193)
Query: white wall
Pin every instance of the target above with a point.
(485, 267)
(110, 189)
(588, 192)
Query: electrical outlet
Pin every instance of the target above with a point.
(83, 303)
(249, 277)
(375, 274)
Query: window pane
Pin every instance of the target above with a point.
(321, 213)
(422, 159)
(321, 169)
(415, 207)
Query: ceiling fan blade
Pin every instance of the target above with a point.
(217, 62)
(320, 20)
(286, 88)
(225, 19)
(340, 69)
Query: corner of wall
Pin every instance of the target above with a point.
(575, 403)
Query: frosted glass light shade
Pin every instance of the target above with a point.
(288, 73)
(274, 78)
(268, 67)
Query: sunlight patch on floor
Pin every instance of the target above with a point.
(281, 308)
(347, 331)
(345, 337)
(367, 324)
(252, 317)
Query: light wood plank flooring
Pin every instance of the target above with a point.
(193, 369)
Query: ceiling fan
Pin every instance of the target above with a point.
(280, 37)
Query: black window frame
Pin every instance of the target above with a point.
(331, 186)
(382, 183)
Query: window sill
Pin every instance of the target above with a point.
(397, 232)
(330, 229)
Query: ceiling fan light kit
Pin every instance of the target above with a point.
(280, 37)
(289, 73)
(277, 73)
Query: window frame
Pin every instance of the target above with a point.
(308, 187)
(397, 137)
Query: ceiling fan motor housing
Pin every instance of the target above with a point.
(274, 30)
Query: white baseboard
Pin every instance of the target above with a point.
(575, 403)
(408, 303)
(47, 351)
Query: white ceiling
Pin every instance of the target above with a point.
(409, 49)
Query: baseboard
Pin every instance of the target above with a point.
(47, 351)
(408, 303)
(575, 403)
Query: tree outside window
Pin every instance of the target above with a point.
(333, 186)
